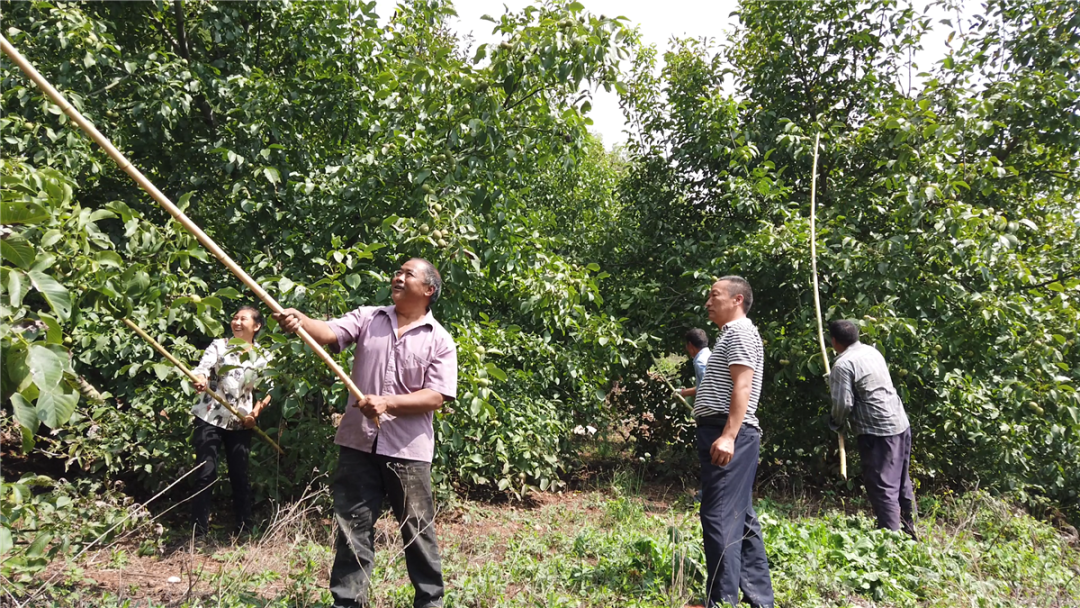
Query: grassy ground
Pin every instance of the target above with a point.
(619, 544)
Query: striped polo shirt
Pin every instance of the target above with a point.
(739, 343)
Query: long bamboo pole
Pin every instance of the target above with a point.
(173, 210)
(191, 376)
(817, 298)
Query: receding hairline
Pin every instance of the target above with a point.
(726, 283)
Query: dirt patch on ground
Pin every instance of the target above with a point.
(295, 554)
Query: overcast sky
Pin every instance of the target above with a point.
(659, 21)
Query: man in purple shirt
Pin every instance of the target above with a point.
(406, 366)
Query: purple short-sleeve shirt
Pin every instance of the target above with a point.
(425, 356)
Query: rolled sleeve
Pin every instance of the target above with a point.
(843, 399)
(350, 327)
(441, 374)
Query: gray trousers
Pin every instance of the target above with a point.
(361, 482)
(885, 474)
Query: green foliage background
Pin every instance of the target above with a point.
(321, 149)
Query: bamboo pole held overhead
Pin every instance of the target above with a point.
(173, 210)
(191, 376)
(817, 298)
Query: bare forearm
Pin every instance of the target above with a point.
(260, 406)
(740, 400)
(292, 319)
(320, 331)
(742, 378)
(420, 402)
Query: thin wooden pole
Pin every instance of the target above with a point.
(173, 210)
(669, 385)
(817, 298)
(191, 376)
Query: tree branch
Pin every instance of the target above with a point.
(511, 106)
(181, 34)
(1058, 279)
(183, 50)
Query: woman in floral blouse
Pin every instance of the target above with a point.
(232, 371)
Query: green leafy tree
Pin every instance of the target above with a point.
(947, 220)
(321, 148)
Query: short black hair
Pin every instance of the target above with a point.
(697, 338)
(740, 287)
(256, 316)
(432, 278)
(844, 332)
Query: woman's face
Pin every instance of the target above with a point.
(244, 325)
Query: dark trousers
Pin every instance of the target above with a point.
(885, 463)
(209, 441)
(361, 482)
(734, 547)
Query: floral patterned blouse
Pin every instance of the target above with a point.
(236, 384)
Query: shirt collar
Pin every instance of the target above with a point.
(850, 349)
(391, 312)
(740, 321)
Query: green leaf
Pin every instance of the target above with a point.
(1056, 286)
(272, 174)
(54, 334)
(55, 294)
(14, 287)
(137, 284)
(17, 369)
(593, 267)
(109, 259)
(184, 200)
(162, 370)
(6, 542)
(51, 237)
(25, 413)
(55, 407)
(41, 542)
(495, 372)
(352, 280)
(45, 367)
(1060, 339)
(101, 214)
(43, 261)
(17, 212)
(227, 292)
(28, 439)
(18, 251)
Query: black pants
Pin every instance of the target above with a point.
(209, 440)
(734, 547)
(361, 482)
(885, 462)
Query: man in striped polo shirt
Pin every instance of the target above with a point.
(862, 392)
(728, 443)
